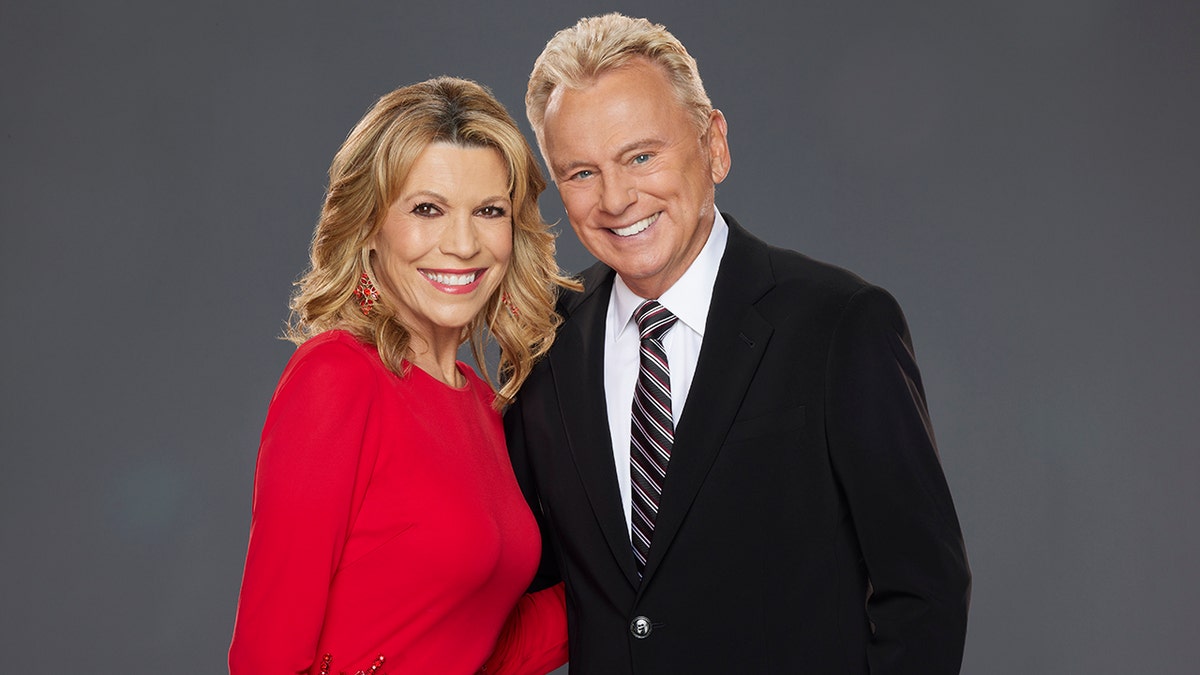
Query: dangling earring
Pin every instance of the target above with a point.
(366, 294)
(512, 309)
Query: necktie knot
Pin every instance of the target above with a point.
(653, 320)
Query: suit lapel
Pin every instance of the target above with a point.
(577, 364)
(735, 339)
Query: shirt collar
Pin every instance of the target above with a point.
(690, 297)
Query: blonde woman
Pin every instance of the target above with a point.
(388, 533)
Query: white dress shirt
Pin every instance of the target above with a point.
(688, 299)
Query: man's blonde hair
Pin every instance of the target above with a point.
(576, 56)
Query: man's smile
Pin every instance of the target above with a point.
(639, 226)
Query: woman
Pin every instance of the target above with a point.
(388, 534)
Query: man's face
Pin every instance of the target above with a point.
(635, 174)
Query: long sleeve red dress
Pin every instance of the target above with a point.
(387, 528)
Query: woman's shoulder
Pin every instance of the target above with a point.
(328, 374)
(335, 352)
(477, 384)
(336, 341)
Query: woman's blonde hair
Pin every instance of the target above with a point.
(576, 56)
(365, 178)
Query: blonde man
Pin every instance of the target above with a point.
(728, 444)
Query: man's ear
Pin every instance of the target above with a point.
(718, 145)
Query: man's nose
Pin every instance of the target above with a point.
(616, 193)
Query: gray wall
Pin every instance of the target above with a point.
(1023, 175)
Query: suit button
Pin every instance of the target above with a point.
(640, 627)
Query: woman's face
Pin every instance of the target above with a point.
(445, 243)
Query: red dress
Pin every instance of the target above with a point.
(386, 522)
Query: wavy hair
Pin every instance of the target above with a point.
(576, 56)
(366, 176)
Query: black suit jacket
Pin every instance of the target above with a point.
(805, 525)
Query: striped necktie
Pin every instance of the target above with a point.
(653, 430)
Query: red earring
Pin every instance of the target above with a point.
(366, 294)
(512, 309)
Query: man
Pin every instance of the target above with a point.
(741, 476)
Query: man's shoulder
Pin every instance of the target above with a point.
(789, 269)
(790, 264)
(593, 279)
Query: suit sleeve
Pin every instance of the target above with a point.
(303, 491)
(883, 452)
(514, 435)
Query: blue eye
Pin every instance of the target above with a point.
(641, 159)
(582, 174)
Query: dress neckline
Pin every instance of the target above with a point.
(462, 368)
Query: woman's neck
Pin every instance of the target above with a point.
(438, 358)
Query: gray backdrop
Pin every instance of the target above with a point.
(1023, 175)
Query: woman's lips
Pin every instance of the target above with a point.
(454, 281)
